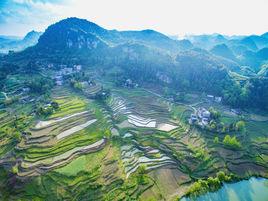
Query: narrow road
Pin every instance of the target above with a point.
(179, 103)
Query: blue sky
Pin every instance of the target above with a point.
(178, 17)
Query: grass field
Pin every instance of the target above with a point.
(85, 163)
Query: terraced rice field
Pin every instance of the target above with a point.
(90, 150)
(135, 156)
(71, 131)
(91, 91)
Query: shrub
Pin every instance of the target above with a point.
(213, 126)
(231, 141)
(15, 169)
(214, 113)
(223, 177)
(240, 125)
(17, 136)
(55, 105)
(78, 85)
(214, 183)
(211, 184)
(42, 111)
(200, 153)
(197, 188)
(216, 140)
(140, 174)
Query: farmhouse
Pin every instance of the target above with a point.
(77, 68)
(193, 119)
(130, 84)
(218, 99)
(210, 97)
(25, 89)
(66, 71)
(58, 80)
(236, 111)
(203, 113)
(200, 117)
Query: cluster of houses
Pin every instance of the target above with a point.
(130, 84)
(200, 117)
(21, 94)
(24, 95)
(163, 77)
(64, 70)
(216, 99)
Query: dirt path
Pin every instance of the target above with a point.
(158, 95)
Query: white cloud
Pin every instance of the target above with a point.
(168, 16)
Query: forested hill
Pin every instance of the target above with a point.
(151, 57)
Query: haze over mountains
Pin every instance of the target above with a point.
(246, 50)
(8, 43)
(77, 33)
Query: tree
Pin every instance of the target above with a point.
(141, 179)
(15, 169)
(216, 140)
(223, 177)
(40, 85)
(240, 125)
(214, 113)
(78, 85)
(231, 141)
(213, 125)
(17, 136)
(213, 183)
(55, 105)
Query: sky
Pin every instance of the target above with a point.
(171, 17)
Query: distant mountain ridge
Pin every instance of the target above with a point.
(8, 43)
(68, 28)
(148, 56)
(245, 50)
(224, 51)
(79, 37)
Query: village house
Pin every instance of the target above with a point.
(210, 97)
(203, 113)
(77, 68)
(193, 119)
(164, 78)
(236, 111)
(25, 89)
(91, 83)
(50, 65)
(26, 99)
(129, 83)
(66, 71)
(58, 80)
(217, 99)
(201, 117)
